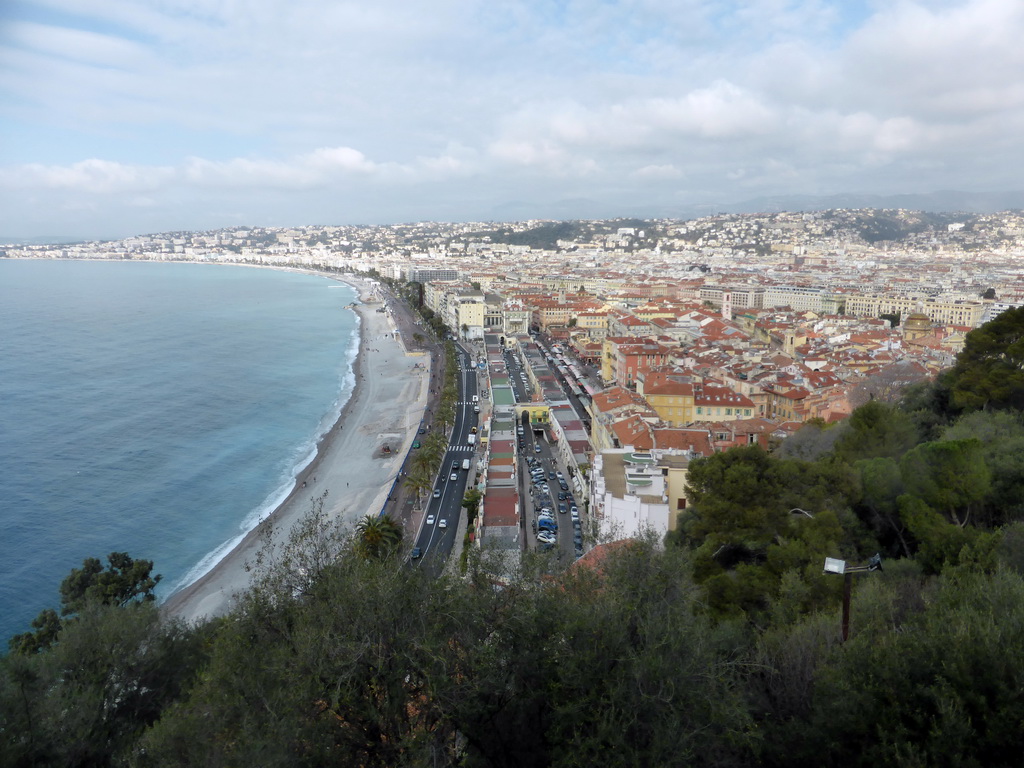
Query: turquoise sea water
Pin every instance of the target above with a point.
(158, 409)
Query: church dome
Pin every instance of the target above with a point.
(917, 321)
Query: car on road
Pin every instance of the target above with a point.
(437, 493)
(442, 523)
(455, 476)
(416, 552)
(536, 449)
(430, 519)
(415, 443)
(561, 508)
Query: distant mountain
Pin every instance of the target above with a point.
(42, 240)
(933, 202)
(946, 201)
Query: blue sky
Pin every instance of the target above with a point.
(130, 116)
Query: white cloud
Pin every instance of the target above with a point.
(658, 172)
(87, 177)
(486, 101)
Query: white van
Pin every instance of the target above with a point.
(465, 463)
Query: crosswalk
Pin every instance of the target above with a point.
(468, 448)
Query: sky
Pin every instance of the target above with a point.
(121, 117)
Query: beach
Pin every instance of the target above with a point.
(385, 408)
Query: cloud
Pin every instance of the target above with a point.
(87, 177)
(658, 172)
(476, 102)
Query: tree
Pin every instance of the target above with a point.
(419, 479)
(471, 502)
(84, 699)
(124, 581)
(940, 688)
(875, 430)
(949, 476)
(1002, 439)
(881, 486)
(378, 537)
(989, 371)
(745, 538)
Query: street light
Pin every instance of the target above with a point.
(832, 565)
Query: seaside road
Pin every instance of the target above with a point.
(436, 544)
(385, 408)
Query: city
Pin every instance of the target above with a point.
(628, 348)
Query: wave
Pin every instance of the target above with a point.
(307, 450)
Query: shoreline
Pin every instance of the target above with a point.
(345, 464)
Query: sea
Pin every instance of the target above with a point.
(158, 409)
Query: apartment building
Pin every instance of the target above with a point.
(962, 312)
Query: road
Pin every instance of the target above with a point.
(435, 542)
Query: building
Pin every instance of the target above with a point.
(942, 311)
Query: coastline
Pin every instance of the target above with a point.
(385, 406)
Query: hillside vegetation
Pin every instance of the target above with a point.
(718, 647)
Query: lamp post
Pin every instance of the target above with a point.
(833, 565)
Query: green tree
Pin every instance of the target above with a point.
(86, 699)
(989, 371)
(940, 688)
(949, 476)
(650, 689)
(122, 582)
(875, 430)
(881, 485)
(471, 502)
(744, 536)
(378, 537)
(1002, 438)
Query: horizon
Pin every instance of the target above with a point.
(121, 120)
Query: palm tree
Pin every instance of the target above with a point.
(377, 537)
(433, 448)
(419, 480)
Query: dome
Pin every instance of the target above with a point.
(918, 321)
